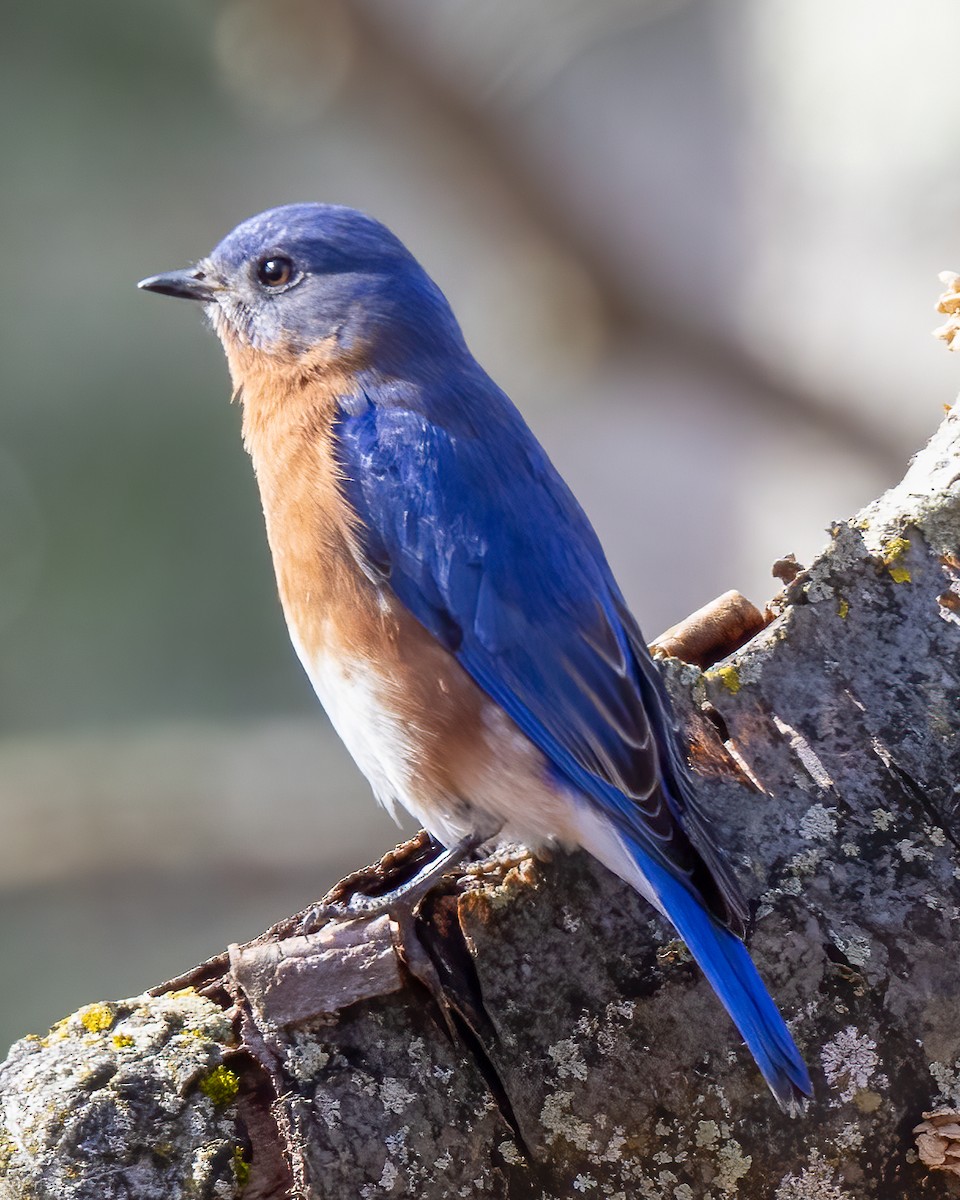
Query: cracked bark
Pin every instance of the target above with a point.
(566, 1045)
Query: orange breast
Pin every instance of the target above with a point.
(409, 714)
(420, 729)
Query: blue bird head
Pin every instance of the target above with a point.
(302, 275)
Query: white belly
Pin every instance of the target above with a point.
(354, 697)
(506, 792)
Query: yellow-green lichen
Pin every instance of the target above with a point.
(730, 678)
(843, 608)
(122, 1040)
(97, 1018)
(893, 552)
(241, 1168)
(57, 1032)
(221, 1086)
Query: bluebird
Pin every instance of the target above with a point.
(446, 594)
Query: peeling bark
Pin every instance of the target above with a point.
(543, 1034)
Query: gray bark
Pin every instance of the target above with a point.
(548, 1036)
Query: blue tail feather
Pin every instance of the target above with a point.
(726, 963)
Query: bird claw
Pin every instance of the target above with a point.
(318, 915)
(356, 907)
(402, 902)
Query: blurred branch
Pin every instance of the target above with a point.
(539, 1032)
(630, 315)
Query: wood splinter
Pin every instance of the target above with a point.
(712, 632)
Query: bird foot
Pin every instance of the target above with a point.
(402, 902)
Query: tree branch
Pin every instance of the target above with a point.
(547, 1035)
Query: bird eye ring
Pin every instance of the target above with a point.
(275, 271)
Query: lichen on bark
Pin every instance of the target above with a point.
(121, 1099)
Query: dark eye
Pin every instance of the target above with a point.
(275, 271)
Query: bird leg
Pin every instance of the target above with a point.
(402, 901)
(409, 894)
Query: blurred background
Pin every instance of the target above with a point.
(697, 243)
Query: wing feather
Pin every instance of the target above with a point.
(490, 551)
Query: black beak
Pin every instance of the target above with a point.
(190, 284)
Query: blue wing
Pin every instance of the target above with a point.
(462, 515)
(465, 518)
